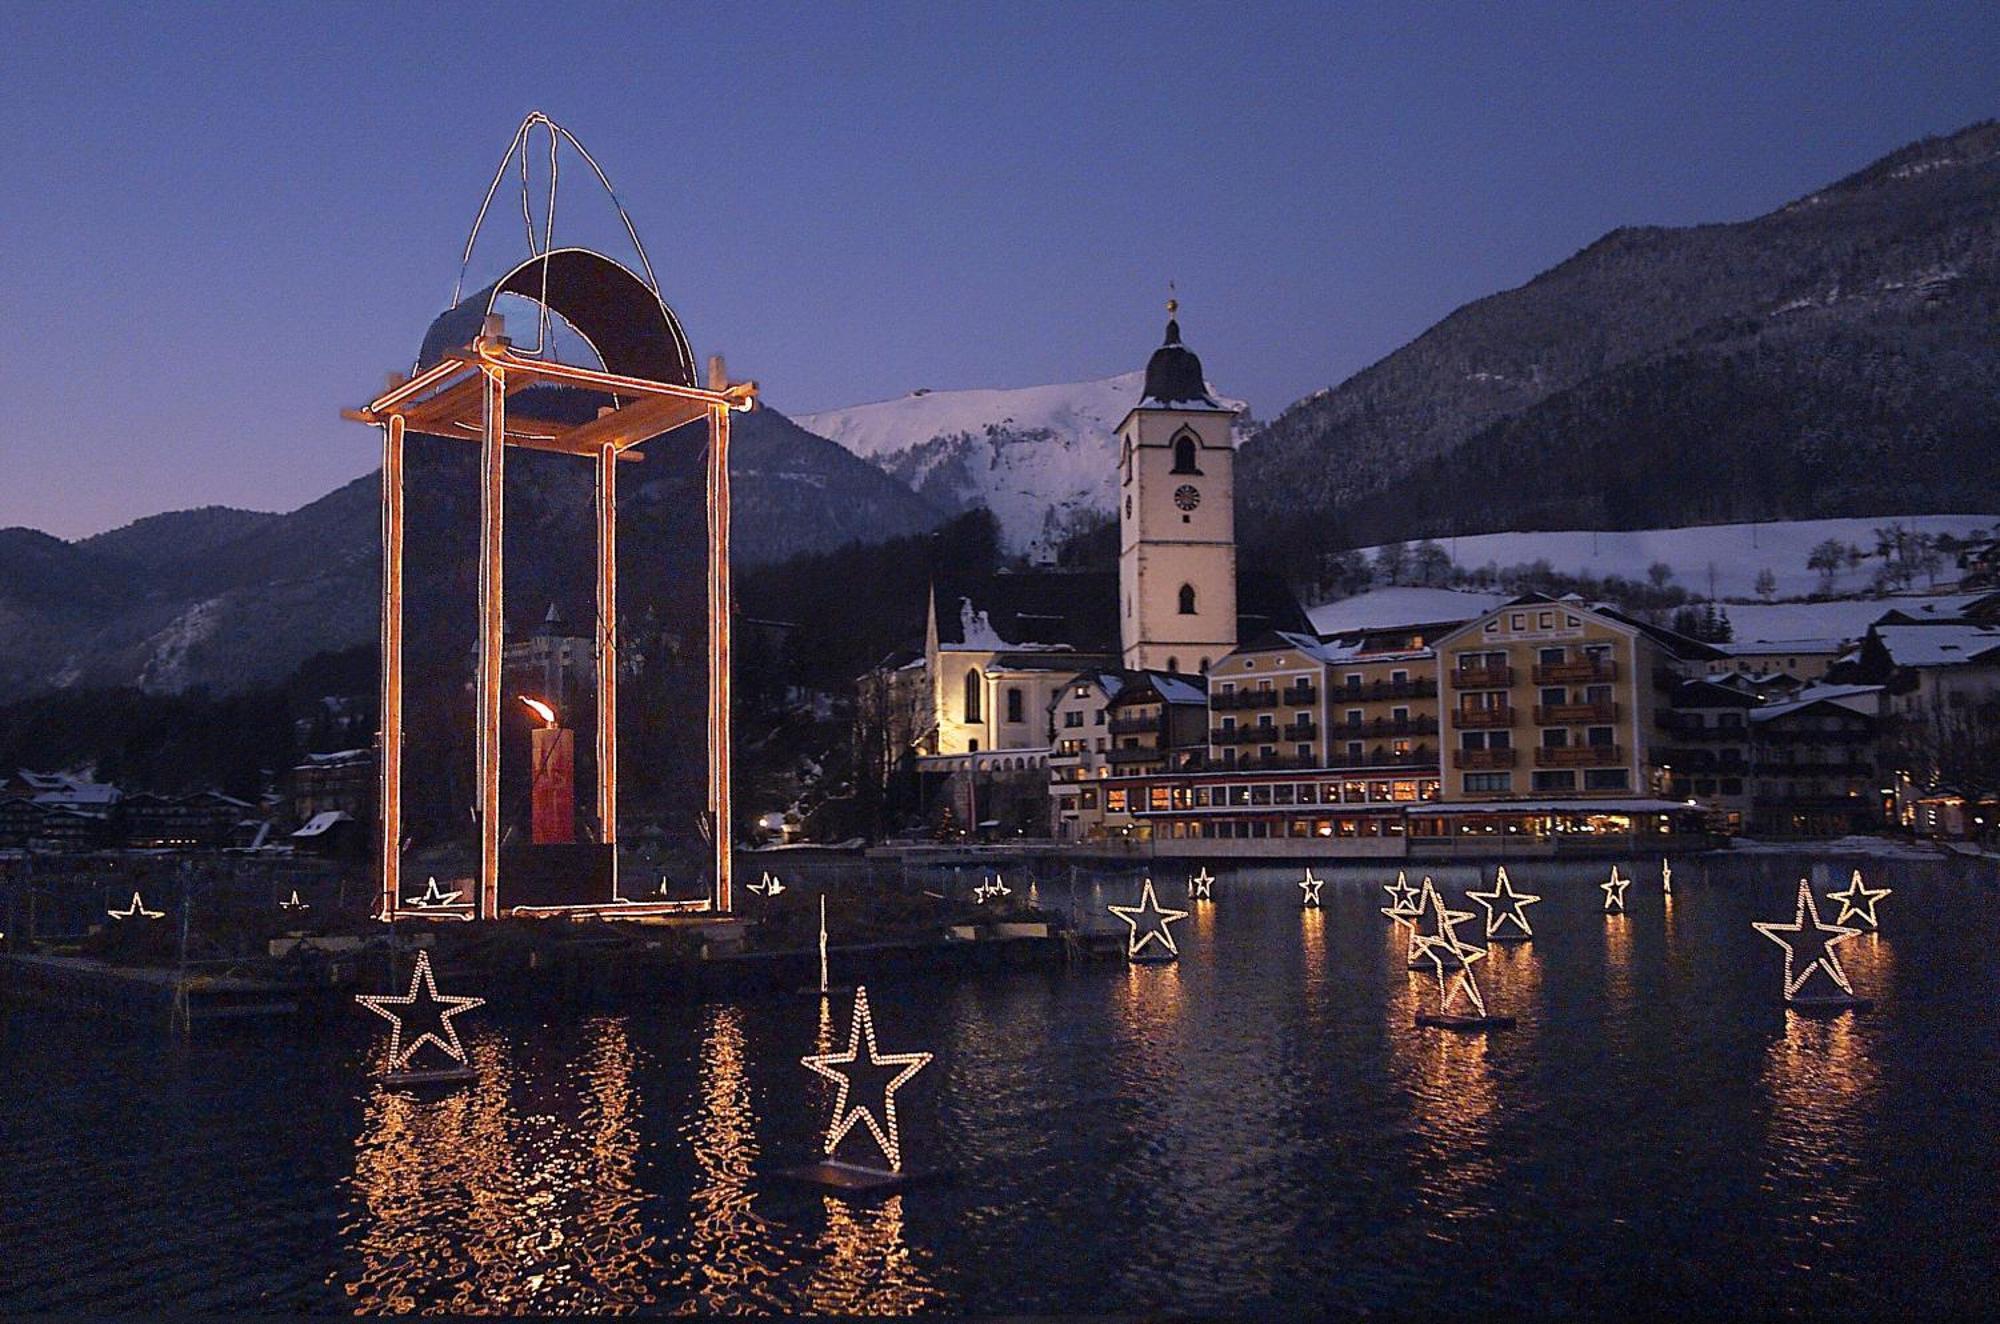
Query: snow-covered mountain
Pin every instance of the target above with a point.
(1041, 458)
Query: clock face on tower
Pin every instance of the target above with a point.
(1186, 497)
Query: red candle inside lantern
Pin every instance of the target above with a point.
(552, 750)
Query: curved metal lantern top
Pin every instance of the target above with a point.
(630, 326)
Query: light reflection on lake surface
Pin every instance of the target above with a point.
(1259, 1126)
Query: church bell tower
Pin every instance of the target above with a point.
(1176, 517)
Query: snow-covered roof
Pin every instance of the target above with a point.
(1177, 689)
(1385, 608)
(1758, 647)
(323, 822)
(1863, 699)
(1940, 645)
(338, 757)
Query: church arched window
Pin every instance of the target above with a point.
(1125, 461)
(1184, 454)
(972, 706)
(1187, 599)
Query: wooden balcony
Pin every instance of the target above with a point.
(1576, 673)
(1560, 714)
(1133, 726)
(1483, 678)
(1298, 696)
(1419, 688)
(1475, 759)
(1475, 719)
(1243, 699)
(1382, 727)
(1579, 756)
(1302, 731)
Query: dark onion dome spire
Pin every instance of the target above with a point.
(1173, 374)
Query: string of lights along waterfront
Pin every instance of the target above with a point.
(1258, 1123)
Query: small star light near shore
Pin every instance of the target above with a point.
(433, 898)
(136, 910)
(293, 902)
(1504, 904)
(1858, 901)
(423, 1007)
(1614, 892)
(1404, 907)
(767, 886)
(1805, 938)
(1149, 924)
(846, 1068)
(1201, 886)
(1310, 886)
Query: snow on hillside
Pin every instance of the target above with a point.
(1737, 552)
(1041, 458)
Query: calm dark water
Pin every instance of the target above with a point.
(1259, 1126)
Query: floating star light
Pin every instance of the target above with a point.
(862, 1032)
(1201, 887)
(1858, 901)
(1806, 936)
(1446, 951)
(1667, 876)
(999, 888)
(1404, 909)
(1148, 915)
(423, 997)
(1502, 904)
(1310, 886)
(1614, 892)
(767, 886)
(137, 910)
(293, 903)
(433, 898)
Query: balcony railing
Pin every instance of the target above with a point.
(1268, 762)
(1302, 731)
(1299, 695)
(1423, 756)
(1482, 678)
(1558, 714)
(1574, 673)
(1224, 701)
(1474, 759)
(1474, 719)
(1384, 726)
(1578, 756)
(1121, 757)
(1422, 687)
(1133, 726)
(1228, 735)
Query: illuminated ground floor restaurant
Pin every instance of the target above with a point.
(1557, 821)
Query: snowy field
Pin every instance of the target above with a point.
(1736, 551)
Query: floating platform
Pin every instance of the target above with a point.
(861, 1180)
(1438, 1020)
(830, 991)
(1828, 1004)
(1449, 961)
(1153, 958)
(1510, 937)
(422, 1079)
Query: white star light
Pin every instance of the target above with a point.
(1807, 934)
(1310, 886)
(433, 897)
(861, 1032)
(1503, 903)
(1667, 876)
(445, 1036)
(767, 886)
(1156, 921)
(1404, 908)
(1614, 892)
(137, 910)
(1858, 901)
(1201, 886)
(1445, 944)
(294, 903)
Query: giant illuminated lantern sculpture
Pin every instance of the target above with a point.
(472, 382)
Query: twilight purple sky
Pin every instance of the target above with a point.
(225, 223)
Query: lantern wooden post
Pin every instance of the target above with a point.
(492, 502)
(389, 753)
(718, 637)
(607, 653)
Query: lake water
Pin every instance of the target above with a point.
(1259, 1126)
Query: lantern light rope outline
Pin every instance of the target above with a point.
(136, 910)
(861, 1031)
(1614, 892)
(1156, 918)
(1826, 961)
(1858, 899)
(1446, 943)
(421, 977)
(1310, 886)
(1504, 903)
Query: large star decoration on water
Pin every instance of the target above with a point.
(1858, 901)
(422, 1001)
(1441, 947)
(1310, 886)
(877, 1063)
(1614, 892)
(1148, 916)
(1503, 903)
(1201, 885)
(136, 910)
(1806, 937)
